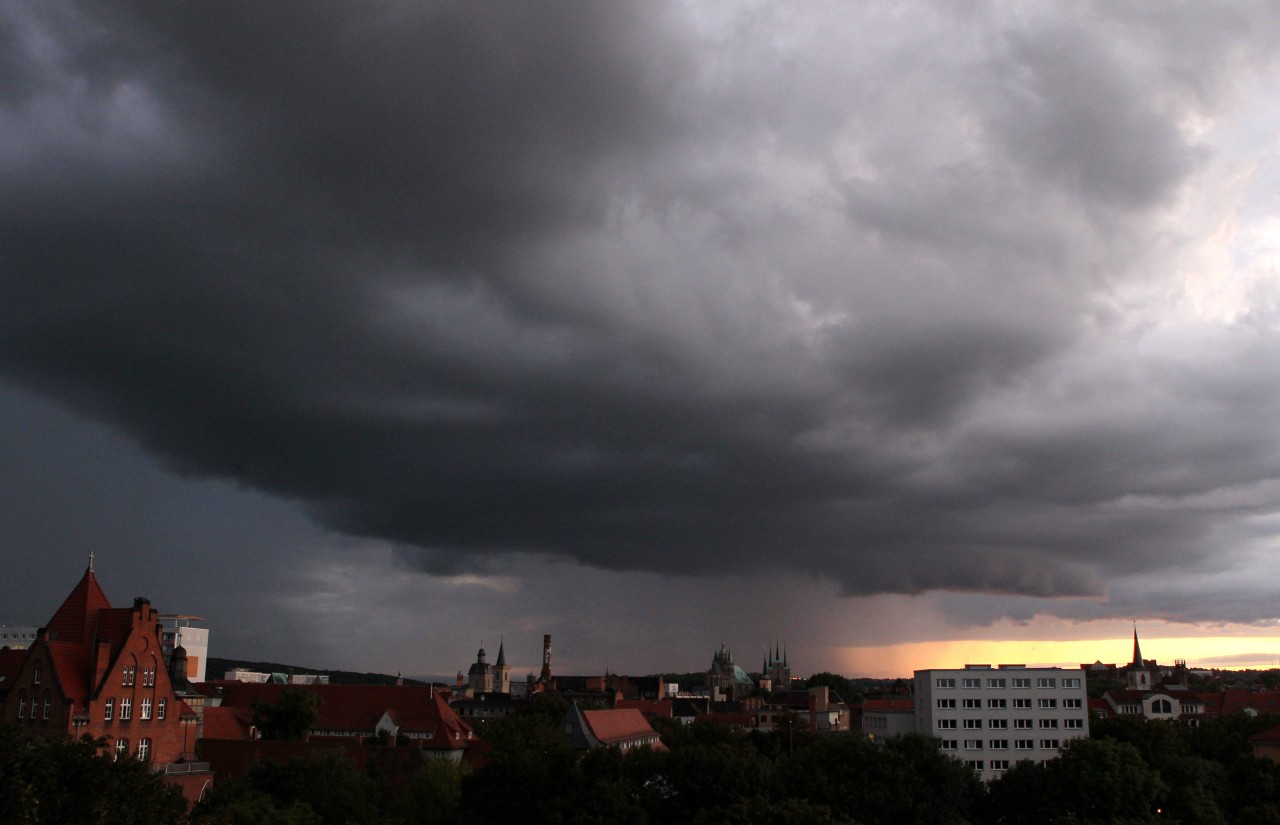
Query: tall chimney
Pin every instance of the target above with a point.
(546, 658)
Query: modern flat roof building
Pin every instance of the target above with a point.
(178, 630)
(991, 717)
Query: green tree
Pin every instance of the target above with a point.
(836, 683)
(328, 783)
(294, 713)
(433, 797)
(907, 780)
(46, 781)
(236, 802)
(1102, 781)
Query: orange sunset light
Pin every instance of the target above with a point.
(1231, 652)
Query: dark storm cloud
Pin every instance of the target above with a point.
(620, 284)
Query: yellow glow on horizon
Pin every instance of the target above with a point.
(1230, 652)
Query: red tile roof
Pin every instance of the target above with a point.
(620, 726)
(74, 620)
(71, 669)
(227, 723)
(889, 704)
(11, 662)
(660, 708)
(1235, 700)
(357, 709)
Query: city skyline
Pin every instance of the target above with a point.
(369, 331)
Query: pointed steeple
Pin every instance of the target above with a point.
(502, 654)
(1137, 651)
(75, 619)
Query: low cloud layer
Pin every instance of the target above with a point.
(962, 298)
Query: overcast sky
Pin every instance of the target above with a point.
(376, 331)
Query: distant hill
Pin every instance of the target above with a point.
(215, 668)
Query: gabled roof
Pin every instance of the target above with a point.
(11, 662)
(418, 709)
(625, 726)
(71, 668)
(74, 620)
(227, 723)
(1235, 700)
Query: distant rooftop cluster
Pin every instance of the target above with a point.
(126, 675)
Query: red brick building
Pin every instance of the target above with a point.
(98, 670)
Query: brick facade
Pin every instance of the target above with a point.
(99, 670)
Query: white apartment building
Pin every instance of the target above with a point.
(17, 637)
(177, 629)
(991, 717)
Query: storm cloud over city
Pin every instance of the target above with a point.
(857, 324)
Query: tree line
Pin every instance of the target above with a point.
(1129, 772)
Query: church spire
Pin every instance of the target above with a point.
(1137, 651)
(502, 654)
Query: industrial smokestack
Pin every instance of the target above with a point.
(546, 658)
